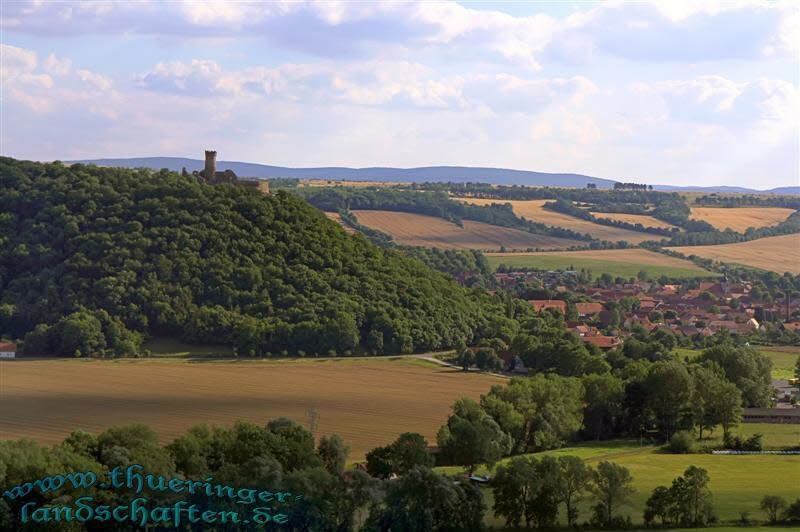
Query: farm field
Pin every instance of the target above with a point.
(532, 210)
(737, 482)
(368, 401)
(646, 221)
(775, 253)
(740, 218)
(617, 262)
(338, 219)
(418, 230)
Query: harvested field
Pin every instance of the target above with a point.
(617, 262)
(776, 253)
(646, 221)
(532, 210)
(369, 402)
(418, 230)
(740, 218)
(338, 219)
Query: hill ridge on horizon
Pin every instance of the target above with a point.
(438, 173)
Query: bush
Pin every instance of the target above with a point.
(736, 443)
(681, 442)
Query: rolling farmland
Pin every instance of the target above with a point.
(532, 210)
(617, 262)
(740, 218)
(369, 402)
(646, 221)
(776, 253)
(418, 230)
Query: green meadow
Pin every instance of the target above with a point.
(737, 482)
(598, 267)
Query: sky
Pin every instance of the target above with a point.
(683, 93)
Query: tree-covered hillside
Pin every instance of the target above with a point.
(93, 260)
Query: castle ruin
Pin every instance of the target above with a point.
(211, 176)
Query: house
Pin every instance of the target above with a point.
(8, 350)
(541, 304)
(771, 415)
(793, 326)
(603, 342)
(584, 309)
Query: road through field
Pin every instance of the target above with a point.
(369, 402)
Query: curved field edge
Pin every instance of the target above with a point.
(533, 210)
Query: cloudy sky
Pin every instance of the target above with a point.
(699, 93)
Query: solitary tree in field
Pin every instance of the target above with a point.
(773, 505)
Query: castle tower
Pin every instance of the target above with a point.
(211, 166)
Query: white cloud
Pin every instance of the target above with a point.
(657, 31)
(56, 65)
(95, 80)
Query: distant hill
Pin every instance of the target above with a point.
(456, 174)
(731, 190)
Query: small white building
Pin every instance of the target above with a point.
(8, 350)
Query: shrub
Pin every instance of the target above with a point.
(681, 442)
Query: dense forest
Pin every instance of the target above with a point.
(95, 260)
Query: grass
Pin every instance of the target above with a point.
(171, 347)
(368, 401)
(628, 265)
(737, 482)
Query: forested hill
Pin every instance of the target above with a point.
(93, 260)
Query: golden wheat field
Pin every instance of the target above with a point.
(532, 210)
(740, 218)
(418, 230)
(776, 253)
(646, 221)
(369, 402)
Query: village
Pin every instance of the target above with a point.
(612, 311)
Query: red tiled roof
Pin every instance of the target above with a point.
(540, 304)
(602, 341)
(589, 308)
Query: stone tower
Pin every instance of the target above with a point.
(211, 165)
